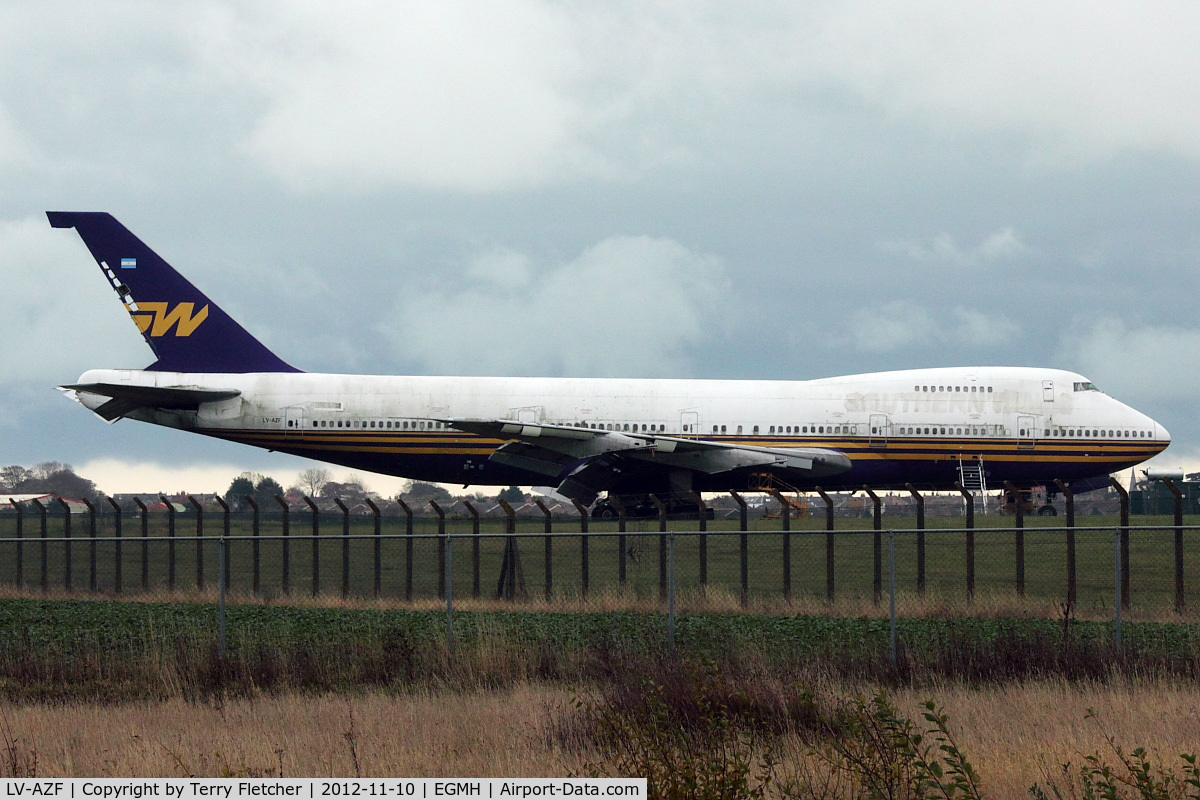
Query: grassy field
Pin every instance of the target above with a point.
(138, 688)
(119, 650)
(1151, 559)
(1012, 733)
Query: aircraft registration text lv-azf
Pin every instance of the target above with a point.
(587, 436)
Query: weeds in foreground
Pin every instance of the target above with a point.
(1127, 775)
(19, 760)
(697, 736)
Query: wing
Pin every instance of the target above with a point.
(124, 398)
(583, 459)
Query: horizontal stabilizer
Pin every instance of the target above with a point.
(125, 398)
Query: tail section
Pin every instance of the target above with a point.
(186, 330)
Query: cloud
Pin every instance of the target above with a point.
(978, 329)
(1155, 362)
(629, 305)
(1081, 81)
(892, 326)
(58, 316)
(445, 95)
(999, 246)
(900, 325)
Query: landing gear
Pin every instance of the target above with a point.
(604, 510)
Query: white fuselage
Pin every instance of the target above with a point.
(910, 426)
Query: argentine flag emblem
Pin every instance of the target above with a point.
(128, 263)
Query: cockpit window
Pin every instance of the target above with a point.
(1085, 386)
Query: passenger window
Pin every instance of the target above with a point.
(722, 429)
(772, 430)
(739, 428)
(821, 429)
(755, 429)
(989, 390)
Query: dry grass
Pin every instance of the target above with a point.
(986, 605)
(1015, 731)
(1011, 733)
(477, 734)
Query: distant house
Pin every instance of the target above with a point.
(50, 501)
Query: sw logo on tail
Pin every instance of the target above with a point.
(160, 321)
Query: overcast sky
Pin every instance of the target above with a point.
(736, 190)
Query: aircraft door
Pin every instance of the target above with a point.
(1026, 432)
(1047, 391)
(689, 421)
(879, 429)
(293, 422)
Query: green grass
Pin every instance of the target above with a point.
(112, 649)
(1151, 556)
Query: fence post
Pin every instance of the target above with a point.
(583, 546)
(969, 499)
(255, 551)
(116, 546)
(222, 582)
(408, 548)
(671, 593)
(877, 547)
(170, 541)
(1180, 600)
(448, 580)
(145, 515)
(743, 548)
(21, 537)
(91, 544)
(549, 549)
(345, 546)
(285, 530)
(1069, 496)
(199, 542)
(316, 550)
(828, 543)
(475, 581)
(662, 546)
(225, 577)
(1118, 581)
(1124, 494)
(892, 592)
(45, 555)
(512, 576)
(378, 547)
(620, 540)
(1018, 533)
(920, 538)
(66, 542)
(703, 509)
(441, 548)
(785, 510)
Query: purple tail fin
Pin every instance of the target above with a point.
(186, 330)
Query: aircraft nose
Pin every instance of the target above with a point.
(1161, 433)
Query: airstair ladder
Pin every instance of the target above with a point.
(971, 476)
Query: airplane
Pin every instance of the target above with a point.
(587, 437)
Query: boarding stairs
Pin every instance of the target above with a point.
(772, 484)
(973, 478)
